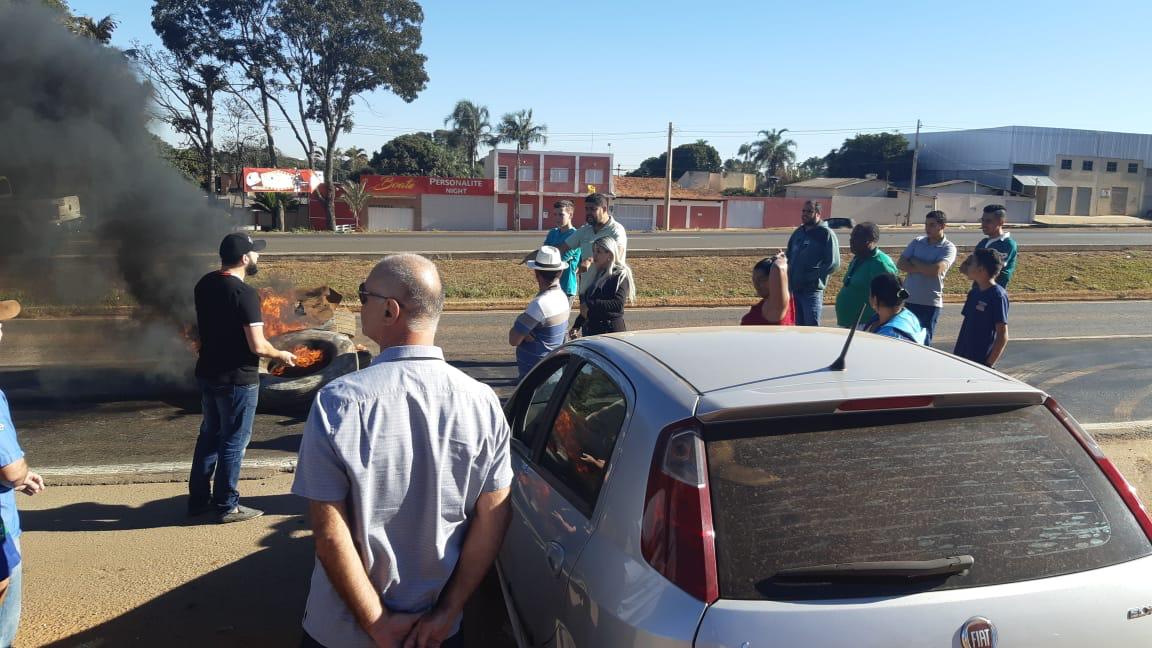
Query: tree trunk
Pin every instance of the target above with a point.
(330, 198)
(281, 218)
(272, 160)
(209, 117)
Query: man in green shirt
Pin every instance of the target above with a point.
(868, 261)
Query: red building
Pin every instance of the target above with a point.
(545, 177)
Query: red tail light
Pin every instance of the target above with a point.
(1127, 492)
(677, 536)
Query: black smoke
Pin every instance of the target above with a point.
(74, 120)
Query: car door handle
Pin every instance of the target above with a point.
(555, 557)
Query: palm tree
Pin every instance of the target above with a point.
(471, 126)
(518, 127)
(98, 30)
(772, 152)
(355, 159)
(275, 203)
(356, 196)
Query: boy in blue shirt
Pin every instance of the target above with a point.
(984, 333)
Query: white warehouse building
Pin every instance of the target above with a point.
(1069, 172)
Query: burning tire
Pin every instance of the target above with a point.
(293, 388)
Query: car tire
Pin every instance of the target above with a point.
(294, 394)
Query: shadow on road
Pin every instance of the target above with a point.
(253, 602)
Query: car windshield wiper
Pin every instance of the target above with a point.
(881, 570)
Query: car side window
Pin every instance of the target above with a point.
(528, 425)
(583, 435)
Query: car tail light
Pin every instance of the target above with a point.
(891, 403)
(677, 536)
(1127, 492)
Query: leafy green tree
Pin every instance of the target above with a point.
(697, 156)
(885, 154)
(471, 127)
(342, 49)
(813, 167)
(418, 154)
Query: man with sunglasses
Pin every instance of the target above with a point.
(231, 329)
(406, 469)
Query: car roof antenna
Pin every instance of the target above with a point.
(839, 364)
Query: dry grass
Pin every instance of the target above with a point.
(695, 281)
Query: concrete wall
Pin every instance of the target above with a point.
(882, 211)
(450, 213)
(704, 181)
(773, 212)
(967, 208)
(1102, 183)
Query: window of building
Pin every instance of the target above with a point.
(1066, 165)
(1086, 165)
(1110, 167)
(526, 174)
(558, 175)
(593, 176)
(583, 435)
(1133, 167)
(502, 173)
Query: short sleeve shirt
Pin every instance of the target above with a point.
(1006, 246)
(568, 279)
(923, 289)
(10, 452)
(586, 236)
(983, 310)
(546, 321)
(853, 295)
(225, 307)
(409, 443)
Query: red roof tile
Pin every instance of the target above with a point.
(627, 187)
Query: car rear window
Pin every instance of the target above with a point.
(1009, 486)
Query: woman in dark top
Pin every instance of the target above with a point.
(606, 291)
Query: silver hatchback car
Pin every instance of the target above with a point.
(727, 487)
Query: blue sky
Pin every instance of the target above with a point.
(599, 73)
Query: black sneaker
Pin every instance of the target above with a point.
(239, 514)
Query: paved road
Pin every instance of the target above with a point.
(104, 412)
(510, 242)
(504, 242)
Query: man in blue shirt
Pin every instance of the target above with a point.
(14, 476)
(557, 236)
(926, 260)
(984, 333)
(541, 328)
(813, 254)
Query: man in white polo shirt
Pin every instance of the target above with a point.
(926, 260)
(598, 213)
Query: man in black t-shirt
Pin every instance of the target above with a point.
(231, 345)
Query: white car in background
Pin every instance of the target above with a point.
(727, 487)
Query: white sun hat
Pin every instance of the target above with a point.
(547, 259)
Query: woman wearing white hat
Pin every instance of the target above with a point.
(606, 293)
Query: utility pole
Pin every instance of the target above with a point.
(668, 183)
(912, 188)
(516, 223)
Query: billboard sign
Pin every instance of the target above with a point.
(258, 179)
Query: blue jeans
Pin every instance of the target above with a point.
(808, 306)
(224, 435)
(927, 316)
(10, 608)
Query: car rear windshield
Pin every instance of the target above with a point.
(1007, 486)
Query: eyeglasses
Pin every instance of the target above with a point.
(364, 294)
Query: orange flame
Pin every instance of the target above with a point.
(305, 357)
(279, 311)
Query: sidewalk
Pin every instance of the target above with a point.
(1046, 220)
(122, 566)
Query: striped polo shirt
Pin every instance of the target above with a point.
(545, 321)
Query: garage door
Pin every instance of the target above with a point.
(746, 213)
(390, 218)
(634, 218)
(1063, 201)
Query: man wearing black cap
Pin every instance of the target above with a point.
(231, 345)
